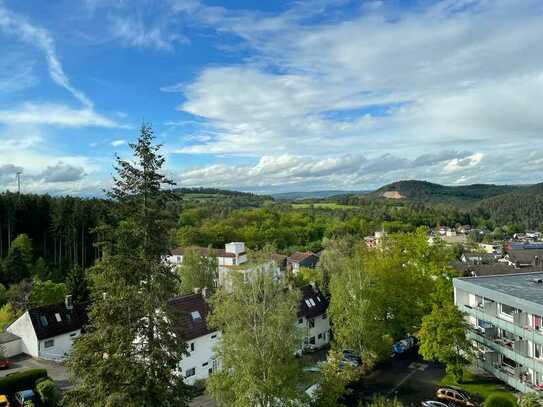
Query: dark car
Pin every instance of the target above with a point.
(5, 363)
(351, 358)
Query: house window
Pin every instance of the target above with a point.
(213, 336)
(196, 315)
(312, 340)
(57, 317)
(320, 336)
(300, 321)
(205, 364)
(43, 321)
(192, 347)
(190, 372)
(73, 334)
(311, 323)
(507, 310)
(49, 343)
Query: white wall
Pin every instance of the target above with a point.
(62, 345)
(23, 328)
(322, 327)
(201, 359)
(12, 348)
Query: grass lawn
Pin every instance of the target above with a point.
(323, 205)
(482, 386)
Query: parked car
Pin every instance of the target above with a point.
(433, 403)
(25, 397)
(5, 363)
(350, 358)
(404, 345)
(4, 402)
(456, 396)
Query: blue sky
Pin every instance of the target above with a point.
(272, 95)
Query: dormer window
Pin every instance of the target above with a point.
(43, 321)
(196, 315)
(57, 317)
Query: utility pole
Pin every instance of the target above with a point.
(19, 182)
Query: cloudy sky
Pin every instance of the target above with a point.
(272, 95)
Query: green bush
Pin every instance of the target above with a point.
(48, 392)
(21, 380)
(498, 400)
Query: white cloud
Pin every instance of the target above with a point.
(117, 143)
(54, 114)
(36, 36)
(391, 84)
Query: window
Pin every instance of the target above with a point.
(508, 310)
(205, 364)
(43, 321)
(311, 323)
(57, 317)
(190, 372)
(312, 340)
(312, 301)
(318, 298)
(300, 321)
(320, 336)
(308, 303)
(192, 347)
(73, 334)
(213, 336)
(195, 315)
(49, 343)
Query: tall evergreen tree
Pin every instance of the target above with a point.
(132, 349)
(76, 283)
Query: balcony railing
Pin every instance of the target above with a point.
(504, 374)
(500, 346)
(523, 331)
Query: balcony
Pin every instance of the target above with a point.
(508, 348)
(513, 377)
(519, 329)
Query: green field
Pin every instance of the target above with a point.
(323, 205)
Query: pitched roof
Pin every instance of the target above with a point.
(191, 312)
(6, 337)
(202, 251)
(55, 319)
(297, 257)
(313, 303)
(477, 270)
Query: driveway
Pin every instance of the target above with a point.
(56, 371)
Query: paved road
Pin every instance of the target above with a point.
(56, 371)
(203, 401)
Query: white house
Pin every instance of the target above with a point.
(47, 332)
(192, 311)
(313, 318)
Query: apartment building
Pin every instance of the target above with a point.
(504, 313)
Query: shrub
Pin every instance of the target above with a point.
(531, 400)
(498, 400)
(21, 380)
(48, 392)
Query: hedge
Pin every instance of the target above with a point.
(498, 400)
(18, 381)
(48, 392)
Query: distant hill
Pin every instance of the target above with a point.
(222, 197)
(427, 191)
(293, 196)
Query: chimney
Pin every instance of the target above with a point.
(68, 302)
(313, 285)
(205, 293)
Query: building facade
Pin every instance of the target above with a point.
(504, 315)
(313, 318)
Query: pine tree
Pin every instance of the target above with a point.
(132, 348)
(76, 283)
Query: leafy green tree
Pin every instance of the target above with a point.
(443, 338)
(40, 270)
(259, 340)
(24, 245)
(77, 285)
(47, 292)
(48, 392)
(381, 401)
(531, 399)
(132, 347)
(197, 271)
(15, 267)
(7, 316)
(19, 295)
(498, 400)
(334, 381)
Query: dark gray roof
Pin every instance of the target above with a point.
(523, 286)
(48, 324)
(526, 256)
(7, 337)
(476, 270)
(313, 303)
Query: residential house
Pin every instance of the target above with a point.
(504, 314)
(313, 318)
(298, 260)
(520, 258)
(191, 313)
(469, 257)
(491, 248)
(48, 332)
